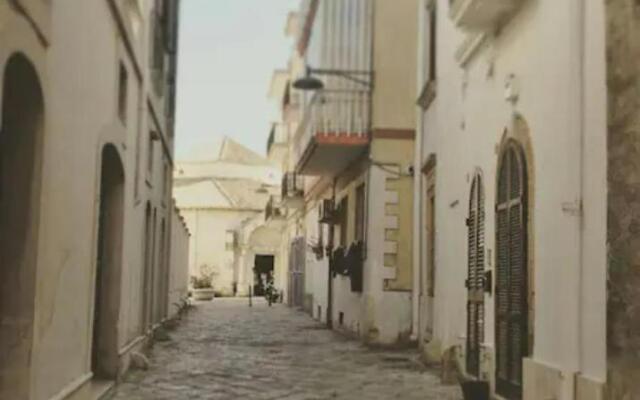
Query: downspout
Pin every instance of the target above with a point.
(329, 271)
(417, 180)
(578, 14)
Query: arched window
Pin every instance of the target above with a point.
(475, 277)
(511, 271)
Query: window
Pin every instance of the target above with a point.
(432, 28)
(138, 149)
(344, 219)
(166, 182)
(150, 154)
(123, 79)
(430, 51)
(360, 214)
(431, 241)
(157, 47)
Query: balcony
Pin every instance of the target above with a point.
(292, 190)
(334, 132)
(481, 15)
(274, 213)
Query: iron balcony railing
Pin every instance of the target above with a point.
(335, 113)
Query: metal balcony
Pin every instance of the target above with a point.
(334, 132)
(292, 190)
(481, 15)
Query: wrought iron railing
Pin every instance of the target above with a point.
(339, 113)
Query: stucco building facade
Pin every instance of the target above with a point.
(525, 231)
(517, 266)
(347, 188)
(86, 219)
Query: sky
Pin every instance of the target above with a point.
(228, 52)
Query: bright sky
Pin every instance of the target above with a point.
(228, 51)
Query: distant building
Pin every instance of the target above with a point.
(218, 187)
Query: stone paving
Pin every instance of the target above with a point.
(225, 350)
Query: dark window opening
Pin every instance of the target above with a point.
(123, 82)
(344, 219)
(360, 214)
(433, 17)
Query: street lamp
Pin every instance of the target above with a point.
(310, 83)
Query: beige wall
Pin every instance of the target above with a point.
(394, 50)
(79, 77)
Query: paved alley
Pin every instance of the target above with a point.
(226, 350)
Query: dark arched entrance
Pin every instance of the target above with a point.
(104, 360)
(21, 140)
(511, 271)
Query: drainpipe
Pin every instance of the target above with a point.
(578, 14)
(329, 272)
(417, 180)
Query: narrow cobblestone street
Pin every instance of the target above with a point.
(226, 350)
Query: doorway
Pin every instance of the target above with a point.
(262, 274)
(104, 355)
(21, 138)
(512, 286)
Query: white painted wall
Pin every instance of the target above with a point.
(208, 243)
(540, 46)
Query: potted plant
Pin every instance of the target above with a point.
(203, 285)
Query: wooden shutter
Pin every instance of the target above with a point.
(475, 281)
(511, 273)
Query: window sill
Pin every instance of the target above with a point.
(469, 47)
(428, 95)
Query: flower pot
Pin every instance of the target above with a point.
(203, 294)
(475, 390)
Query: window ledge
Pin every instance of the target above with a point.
(428, 95)
(469, 47)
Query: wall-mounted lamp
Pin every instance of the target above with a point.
(310, 83)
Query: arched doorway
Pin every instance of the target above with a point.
(104, 355)
(21, 140)
(511, 271)
(475, 276)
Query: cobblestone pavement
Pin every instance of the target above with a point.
(225, 350)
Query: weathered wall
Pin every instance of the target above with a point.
(178, 263)
(623, 300)
(81, 117)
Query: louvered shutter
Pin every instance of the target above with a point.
(475, 283)
(511, 274)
